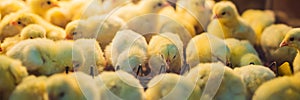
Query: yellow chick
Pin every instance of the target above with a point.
(171, 87)
(227, 23)
(291, 39)
(12, 73)
(218, 82)
(72, 87)
(125, 39)
(242, 51)
(259, 20)
(253, 76)
(90, 47)
(120, 85)
(33, 31)
(281, 88)
(29, 32)
(40, 7)
(11, 6)
(30, 88)
(206, 48)
(57, 16)
(71, 29)
(271, 38)
(170, 48)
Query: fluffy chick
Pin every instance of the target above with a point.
(229, 85)
(72, 87)
(90, 47)
(259, 20)
(270, 41)
(11, 6)
(29, 32)
(241, 51)
(40, 7)
(120, 85)
(292, 39)
(125, 39)
(254, 75)
(171, 86)
(205, 48)
(281, 88)
(170, 48)
(12, 73)
(31, 88)
(227, 23)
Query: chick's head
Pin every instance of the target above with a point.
(33, 31)
(292, 39)
(169, 52)
(23, 20)
(157, 5)
(224, 11)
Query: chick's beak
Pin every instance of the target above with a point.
(55, 5)
(14, 23)
(216, 17)
(283, 43)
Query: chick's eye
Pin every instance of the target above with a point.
(159, 4)
(74, 33)
(49, 2)
(19, 22)
(174, 57)
(62, 94)
(292, 39)
(223, 13)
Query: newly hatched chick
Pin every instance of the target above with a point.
(292, 39)
(227, 23)
(35, 54)
(172, 87)
(241, 52)
(30, 88)
(259, 20)
(218, 82)
(270, 41)
(206, 48)
(12, 73)
(102, 28)
(93, 55)
(253, 76)
(170, 48)
(11, 6)
(29, 32)
(76, 86)
(281, 88)
(120, 85)
(125, 39)
(40, 7)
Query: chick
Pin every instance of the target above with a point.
(10, 6)
(242, 52)
(227, 23)
(281, 88)
(270, 44)
(291, 39)
(254, 75)
(90, 47)
(30, 88)
(161, 87)
(125, 39)
(57, 17)
(40, 7)
(29, 32)
(120, 85)
(35, 54)
(144, 7)
(12, 73)
(103, 28)
(72, 87)
(170, 48)
(206, 48)
(228, 85)
(259, 20)
(33, 31)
